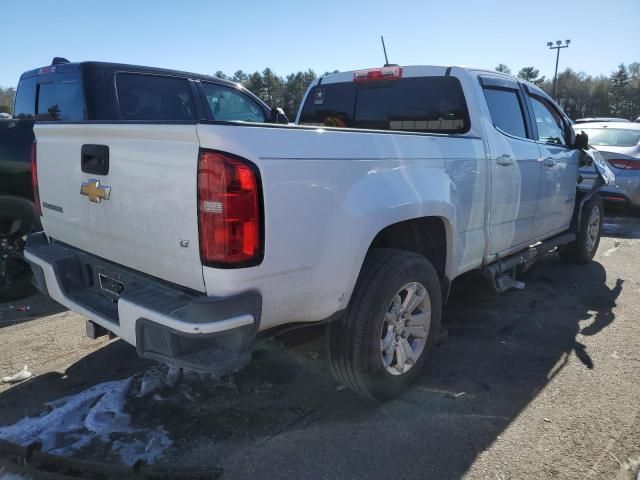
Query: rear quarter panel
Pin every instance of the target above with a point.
(327, 193)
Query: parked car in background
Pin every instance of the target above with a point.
(600, 119)
(619, 144)
(4, 116)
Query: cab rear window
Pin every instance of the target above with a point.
(60, 99)
(51, 97)
(154, 98)
(421, 104)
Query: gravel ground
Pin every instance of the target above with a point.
(540, 383)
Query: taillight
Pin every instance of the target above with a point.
(375, 74)
(34, 180)
(229, 218)
(625, 164)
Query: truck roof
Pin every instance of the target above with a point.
(98, 67)
(417, 71)
(428, 70)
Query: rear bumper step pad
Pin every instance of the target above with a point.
(164, 322)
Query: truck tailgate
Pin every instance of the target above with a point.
(149, 220)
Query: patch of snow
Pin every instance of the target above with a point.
(18, 377)
(97, 413)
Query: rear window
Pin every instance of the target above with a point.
(50, 97)
(612, 137)
(60, 98)
(25, 103)
(421, 104)
(153, 98)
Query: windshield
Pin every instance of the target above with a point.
(613, 137)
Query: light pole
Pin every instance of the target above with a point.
(557, 48)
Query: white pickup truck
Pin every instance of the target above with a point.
(180, 215)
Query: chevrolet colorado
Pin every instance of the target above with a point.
(180, 218)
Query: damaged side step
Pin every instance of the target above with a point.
(502, 273)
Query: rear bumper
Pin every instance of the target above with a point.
(626, 190)
(164, 322)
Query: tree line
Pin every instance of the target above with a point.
(579, 94)
(285, 92)
(582, 95)
(6, 99)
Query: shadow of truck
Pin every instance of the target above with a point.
(284, 417)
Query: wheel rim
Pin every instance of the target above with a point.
(13, 236)
(593, 229)
(405, 328)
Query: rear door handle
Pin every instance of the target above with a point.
(549, 162)
(504, 160)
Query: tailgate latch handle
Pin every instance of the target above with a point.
(95, 159)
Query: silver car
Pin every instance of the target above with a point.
(619, 143)
(600, 119)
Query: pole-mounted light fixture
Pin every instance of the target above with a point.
(557, 48)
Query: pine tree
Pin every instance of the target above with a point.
(530, 74)
(618, 91)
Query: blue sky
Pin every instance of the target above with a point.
(206, 36)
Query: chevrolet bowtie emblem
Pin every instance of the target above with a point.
(95, 191)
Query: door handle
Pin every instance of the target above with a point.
(94, 159)
(504, 160)
(549, 162)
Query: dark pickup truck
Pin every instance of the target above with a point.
(40, 95)
(51, 93)
(17, 214)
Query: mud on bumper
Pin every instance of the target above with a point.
(164, 322)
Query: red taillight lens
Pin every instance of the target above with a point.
(34, 180)
(228, 210)
(374, 74)
(625, 164)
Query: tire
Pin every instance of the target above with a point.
(355, 341)
(584, 247)
(17, 220)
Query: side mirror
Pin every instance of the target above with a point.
(581, 141)
(278, 116)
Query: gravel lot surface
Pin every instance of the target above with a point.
(540, 383)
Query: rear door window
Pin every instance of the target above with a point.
(415, 104)
(506, 111)
(154, 98)
(228, 104)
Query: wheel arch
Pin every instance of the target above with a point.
(429, 236)
(426, 236)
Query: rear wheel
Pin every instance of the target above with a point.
(381, 343)
(17, 220)
(584, 247)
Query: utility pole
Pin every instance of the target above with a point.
(557, 48)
